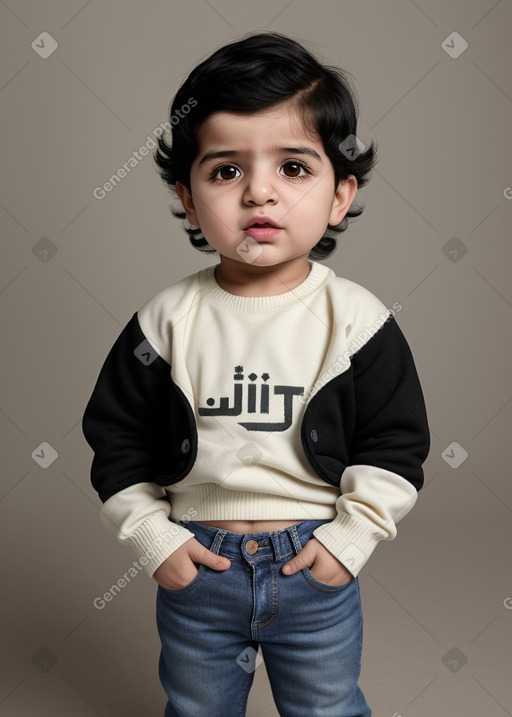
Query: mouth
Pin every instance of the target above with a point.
(262, 232)
(262, 223)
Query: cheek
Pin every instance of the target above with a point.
(312, 212)
(204, 214)
(316, 203)
(215, 224)
(210, 206)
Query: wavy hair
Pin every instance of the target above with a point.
(259, 72)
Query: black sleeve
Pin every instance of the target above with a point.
(137, 421)
(391, 428)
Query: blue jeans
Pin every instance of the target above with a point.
(310, 632)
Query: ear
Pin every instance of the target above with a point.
(188, 203)
(343, 198)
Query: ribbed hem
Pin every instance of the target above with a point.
(157, 538)
(212, 502)
(317, 277)
(349, 539)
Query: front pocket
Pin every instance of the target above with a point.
(324, 587)
(189, 586)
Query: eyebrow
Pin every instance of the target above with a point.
(233, 153)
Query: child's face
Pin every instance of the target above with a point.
(262, 165)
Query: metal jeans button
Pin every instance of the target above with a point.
(252, 546)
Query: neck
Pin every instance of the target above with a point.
(249, 280)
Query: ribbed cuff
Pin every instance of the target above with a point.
(157, 538)
(349, 539)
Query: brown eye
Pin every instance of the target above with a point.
(227, 172)
(293, 169)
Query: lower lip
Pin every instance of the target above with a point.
(262, 232)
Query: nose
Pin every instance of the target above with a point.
(260, 188)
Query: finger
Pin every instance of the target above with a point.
(300, 561)
(201, 554)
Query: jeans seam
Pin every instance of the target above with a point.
(273, 608)
(242, 707)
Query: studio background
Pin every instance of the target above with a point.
(76, 102)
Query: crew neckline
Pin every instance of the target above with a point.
(317, 277)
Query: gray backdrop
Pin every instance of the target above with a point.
(435, 91)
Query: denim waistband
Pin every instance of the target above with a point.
(282, 541)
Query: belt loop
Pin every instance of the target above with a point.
(275, 538)
(294, 535)
(217, 541)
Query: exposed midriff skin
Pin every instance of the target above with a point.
(250, 526)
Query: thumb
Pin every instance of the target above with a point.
(210, 559)
(301, 560)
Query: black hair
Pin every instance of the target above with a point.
(256, 73)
